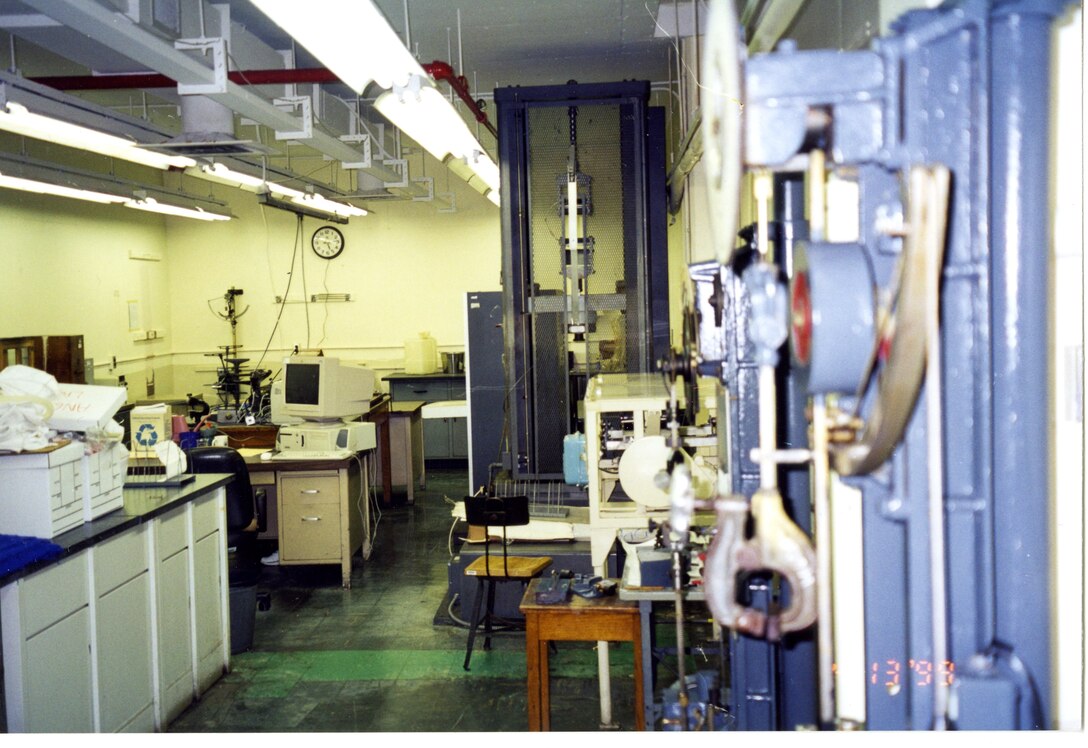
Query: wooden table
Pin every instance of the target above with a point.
(402, 462)
(602, 619)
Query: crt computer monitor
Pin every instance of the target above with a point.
(320, 388)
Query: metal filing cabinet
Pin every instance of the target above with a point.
(310, 517)
(443, 438)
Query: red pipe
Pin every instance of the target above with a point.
(276, 76)
(444, 71)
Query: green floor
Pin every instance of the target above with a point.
(371, 658)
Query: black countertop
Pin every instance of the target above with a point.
(435, 375)
(141, 505)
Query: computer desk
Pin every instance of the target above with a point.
(321, 507)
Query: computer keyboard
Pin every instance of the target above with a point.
(312, 454)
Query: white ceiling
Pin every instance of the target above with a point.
(522, 42)
(501, 42)
(492, 43)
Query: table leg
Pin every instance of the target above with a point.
(532, 668)
(545, 687)
(640, 697)
(387, 462)
(604, 683)
(645, 612)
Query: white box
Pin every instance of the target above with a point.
(104, 481)
(41, 493)
(83, 407)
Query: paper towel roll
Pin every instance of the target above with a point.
(648, 457)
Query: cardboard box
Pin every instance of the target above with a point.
(41, 493)
(146, 428)
(104, 481)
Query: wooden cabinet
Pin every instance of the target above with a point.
(59, 355)
(443, 438)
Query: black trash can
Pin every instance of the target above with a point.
(243, 616)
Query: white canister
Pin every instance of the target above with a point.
(421, 355)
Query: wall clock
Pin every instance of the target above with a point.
(327, 242)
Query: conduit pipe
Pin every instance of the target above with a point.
(269, 77)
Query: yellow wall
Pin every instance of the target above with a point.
(67, 270)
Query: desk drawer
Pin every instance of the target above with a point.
(308, 488)
(310, 531)
(421, 390)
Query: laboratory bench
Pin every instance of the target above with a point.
(128, 624)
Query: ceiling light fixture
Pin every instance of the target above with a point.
(151, 205)
(425, 116)
(322, 206)
(298, 207)
(317, 202)
(360, 46)
(57, 190)
(16, 118)
(428, 118)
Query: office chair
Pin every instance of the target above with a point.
(497, 511)
(243, 508)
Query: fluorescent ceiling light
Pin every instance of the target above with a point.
(317, 202)
(151, 205)
(424, 115)
(16, 118)
(486, 169)
(428, 118)
(493, 196)
(47, 188)
(352, 39)
(222, 174)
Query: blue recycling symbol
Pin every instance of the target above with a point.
(146, 436)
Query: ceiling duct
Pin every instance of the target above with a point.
(208, 130)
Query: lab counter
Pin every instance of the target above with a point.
(141, 505)
(129, 624)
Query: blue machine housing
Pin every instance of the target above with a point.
(965, 85)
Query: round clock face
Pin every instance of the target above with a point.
(327, 242)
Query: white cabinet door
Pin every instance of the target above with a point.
(123, 632)
(175, 635)
(46, 624)
(58, 678)
(207, 601)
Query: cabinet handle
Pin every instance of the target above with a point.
(311, 519)
(311, 490)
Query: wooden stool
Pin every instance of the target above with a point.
(492, 570)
